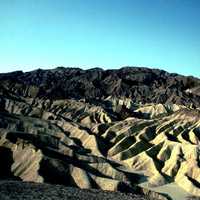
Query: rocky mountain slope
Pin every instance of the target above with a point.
(131, 130)
(141, 84)
(37, 191)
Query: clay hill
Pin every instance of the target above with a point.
(132, 130)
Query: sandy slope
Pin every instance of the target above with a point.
(89, 145)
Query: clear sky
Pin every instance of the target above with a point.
(100, 33)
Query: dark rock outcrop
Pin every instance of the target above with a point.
(141, 84)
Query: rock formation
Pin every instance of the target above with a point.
(129, 130)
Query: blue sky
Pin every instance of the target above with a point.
(100, 33)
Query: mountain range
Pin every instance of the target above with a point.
(131, 130)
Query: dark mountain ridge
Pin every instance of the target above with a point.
(141, 84)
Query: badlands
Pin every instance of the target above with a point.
(132, 130)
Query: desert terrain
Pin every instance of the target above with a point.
(132, 130)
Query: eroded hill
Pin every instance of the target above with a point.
(95, 129)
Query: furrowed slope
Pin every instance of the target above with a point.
(113, 142)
